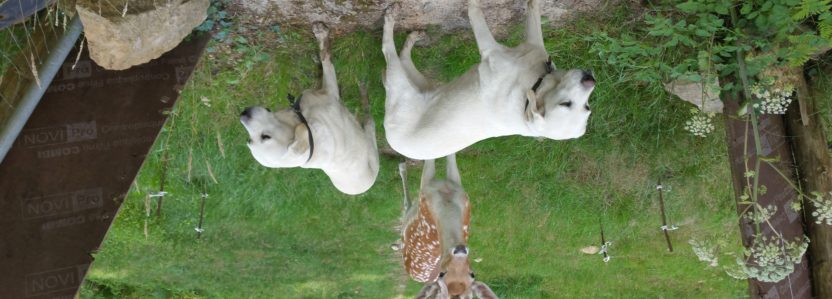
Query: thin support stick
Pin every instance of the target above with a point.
(199, 229)
(659, 187)
(162, 178)
(603, 243)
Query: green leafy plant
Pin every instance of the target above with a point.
(695, 40)
(775, 33)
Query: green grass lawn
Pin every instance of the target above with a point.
(288, 233)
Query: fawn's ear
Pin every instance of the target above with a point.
(428, 291)
(443, 289)
(482, 291)
(300, 145)
(534, 108)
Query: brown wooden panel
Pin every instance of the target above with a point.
(69, 170)
(812, 156)
(779, 193)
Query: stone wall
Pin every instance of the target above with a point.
(345, 16)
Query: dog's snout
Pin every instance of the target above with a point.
(461, 249)
(587, 79)
(246, 114)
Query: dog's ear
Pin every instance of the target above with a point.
(534, 109)
(301, 143)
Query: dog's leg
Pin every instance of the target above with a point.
(428, 172)
(534, 32)
(330, 82)
(388, 45)
(453, 170)
(395, 76)
(415, 76)
(485, 41)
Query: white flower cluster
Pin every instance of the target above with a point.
(705, 252)
(761, 215)
(774, 101)
(772, 260)
(823, 209)
(700, 124)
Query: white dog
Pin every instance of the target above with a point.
(513, 91)
(317, 132)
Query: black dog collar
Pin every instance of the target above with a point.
(549, 69)
(296, 107)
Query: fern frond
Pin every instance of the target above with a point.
(810, 8)
(825, 25)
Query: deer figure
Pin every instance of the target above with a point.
(435, 236)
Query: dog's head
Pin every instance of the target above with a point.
(276, 139)
(560, 107)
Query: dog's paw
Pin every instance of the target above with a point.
(320, 30)
(416, 36)
(392, 12)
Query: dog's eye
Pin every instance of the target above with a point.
(265, 137)
(587, 107)
(567, 104)
(472, 275)
(441, 274)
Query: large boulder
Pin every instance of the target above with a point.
(124, 33)
(345, 16)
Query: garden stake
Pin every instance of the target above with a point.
(146, 213)
(162, 176)
(604, 244)
(199, 229)
(147, 199)
(164, 169)
(664, 217)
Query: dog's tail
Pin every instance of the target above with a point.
(369, 127)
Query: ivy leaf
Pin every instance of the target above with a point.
(689, 7)
(746, 9)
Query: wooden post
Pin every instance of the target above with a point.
(659, 187)
(813, 163)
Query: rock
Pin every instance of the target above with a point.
(346, 16)
(590, 250)
(123, 33)
(692, 92)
